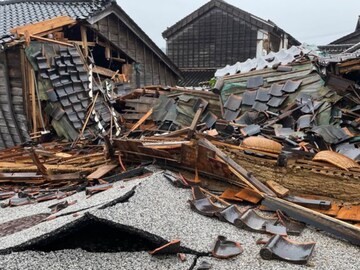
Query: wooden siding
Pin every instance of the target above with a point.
(214, 40)
(13, 121)
(153, 71)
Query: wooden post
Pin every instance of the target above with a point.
(84, 41)
(31, 81)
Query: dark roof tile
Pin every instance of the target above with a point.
(16, 13)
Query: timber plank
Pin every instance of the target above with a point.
(229, 194)
(101, 171)
(350, 213)
(249, 196)
(43, 26)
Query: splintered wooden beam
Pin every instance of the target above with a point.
(142, 120)
(43, 26)
(42, 169)
(105, 72)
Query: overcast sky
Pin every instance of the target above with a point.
(312, 21)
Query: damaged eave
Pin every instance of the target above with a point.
(124, 18)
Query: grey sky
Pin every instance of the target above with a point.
(312, 21)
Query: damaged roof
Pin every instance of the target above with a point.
(17, 13)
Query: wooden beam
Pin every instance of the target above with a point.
(107, 52)
(320, 221)
(121, 60)
(52, 41)
(84, 41)
(104, 71)
(80, 43)
(101, 171)
(43, 26)
(31, 81)
(142, 120)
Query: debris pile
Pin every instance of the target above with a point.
(271, 148)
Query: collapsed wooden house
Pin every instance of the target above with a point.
(218, 34)
(98, 33)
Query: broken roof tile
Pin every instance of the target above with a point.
(281, 248)
(209, 119)
(304, 121)
(224, 249)
(230, 115)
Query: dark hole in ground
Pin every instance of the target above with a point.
(95, 236)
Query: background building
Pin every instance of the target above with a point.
(218, 34)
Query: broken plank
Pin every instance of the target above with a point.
(229, 194)
(277, 188)
(142, 120)
(333, 211)
(101, 171)
(66, 177)
(104, 71)
(20, 176)
(350, 213)
(249, 196)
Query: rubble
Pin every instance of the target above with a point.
(273, 147)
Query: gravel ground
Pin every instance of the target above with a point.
(81, 260)
(161, 209)
(42, 230)
(118, 190)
